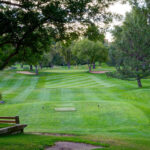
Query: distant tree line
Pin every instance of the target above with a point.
(88, 49)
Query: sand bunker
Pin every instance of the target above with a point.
(26, 72)
(99, 72)
(65, 109)
(72, 146)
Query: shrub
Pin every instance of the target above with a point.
(25, 68)
(13, 68)
(120, 75)
(114, 75)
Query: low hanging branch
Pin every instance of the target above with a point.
(24, 19)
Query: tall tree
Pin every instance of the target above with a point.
(93, 34)
(52, 56)
(32, 54)
(132, 44)
(90, 51)
(66, 52)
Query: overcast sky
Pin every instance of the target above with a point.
(120, 9)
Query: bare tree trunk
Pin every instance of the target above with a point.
(94, 65)
(22, 66)
(138, 78)
(31, 68)
(139, 82)
(36, 70)
(68, 64)
(89, 68)
(50, 65)
(41, 66)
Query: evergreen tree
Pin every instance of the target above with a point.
(132, 45)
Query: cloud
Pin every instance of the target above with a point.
(120, 9)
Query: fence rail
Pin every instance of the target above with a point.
(10, 120)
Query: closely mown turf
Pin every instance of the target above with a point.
(109, 110)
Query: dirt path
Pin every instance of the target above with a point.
(72, 146)
(26, 72)
(98, 72)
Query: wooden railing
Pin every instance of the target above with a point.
(14, 120)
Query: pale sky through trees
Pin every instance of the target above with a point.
(121, 9)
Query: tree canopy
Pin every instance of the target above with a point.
(93, 33)
(24, 23)
(90, 51)
(132, 45)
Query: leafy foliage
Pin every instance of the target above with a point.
(90, 51)
(132, 45)
(24, 22)
(94, 34)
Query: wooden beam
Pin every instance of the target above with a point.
(13, 120)
(6, 121)
(17, 120)
(7, 117)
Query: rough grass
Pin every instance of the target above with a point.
(110, 110)
(5, 125)
(34, 142)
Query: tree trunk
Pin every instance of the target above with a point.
(94, 65)
(36, 70)
(89, 68)
(31, 68)
(41, 66)
(22, 66)
(50, 65)
(68, 64)
(139, 82)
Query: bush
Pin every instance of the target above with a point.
(13, 68)
(120, 75)
(114, 75)
(25, 68)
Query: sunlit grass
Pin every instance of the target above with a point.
(104, 106)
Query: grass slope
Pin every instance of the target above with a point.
(123, 115)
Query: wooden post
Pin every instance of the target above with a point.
(17, 119)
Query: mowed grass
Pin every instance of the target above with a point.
(5, 125)
(109, 110)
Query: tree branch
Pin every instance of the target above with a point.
(10, 3)
(8, 59)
